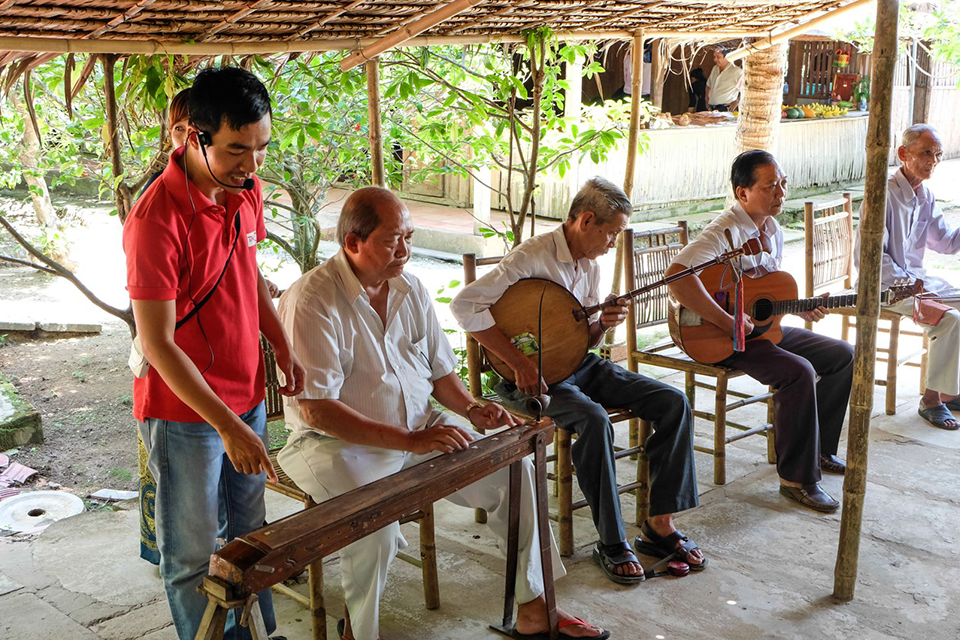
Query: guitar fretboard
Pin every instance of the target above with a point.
(782, 307)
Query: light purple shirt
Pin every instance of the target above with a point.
(914, 223)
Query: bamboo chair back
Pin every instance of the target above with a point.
(653, 251)
(828, 251)
(273, 399)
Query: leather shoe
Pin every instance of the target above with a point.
(811, 495)
(832, 464)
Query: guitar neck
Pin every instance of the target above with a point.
(783, 307)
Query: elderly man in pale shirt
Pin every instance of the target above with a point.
(374, 353)
(567, 256)
(724, 83)
(914, 223)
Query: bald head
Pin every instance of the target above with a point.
(363, 210)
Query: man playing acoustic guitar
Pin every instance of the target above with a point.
(567, 256)
(808, 412)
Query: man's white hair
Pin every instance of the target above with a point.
(913, 132)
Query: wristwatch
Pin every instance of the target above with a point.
(476, 404)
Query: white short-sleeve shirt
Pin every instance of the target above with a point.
(712, 242)
(723, 85)
(385, 372)
(545, 256)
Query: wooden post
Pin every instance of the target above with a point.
(868, 292)
(633, 139)
(759, 120)
(656, 74)
(922, 86)
(377, 171)
(113, 132)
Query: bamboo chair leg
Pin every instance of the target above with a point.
(892, 357)
(634, 436)
(428, 559)
(213, 622)
(556, 462)
(565, 500)
(923, 363)
(845, 329)
(720, 432)
(480, 516)
(643, 475)
(690, 388)
(771, 443)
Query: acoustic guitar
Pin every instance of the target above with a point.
(549, 325)
(766, 300)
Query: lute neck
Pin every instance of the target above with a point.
(783, 307)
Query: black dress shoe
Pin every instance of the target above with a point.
(832, 464)
(811, 495)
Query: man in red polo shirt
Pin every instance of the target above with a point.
(200, 304)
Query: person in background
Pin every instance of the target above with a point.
(177, 119)
(724, 83)
(697, 91)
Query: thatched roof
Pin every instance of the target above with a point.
(203, 27)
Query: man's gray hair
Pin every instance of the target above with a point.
(913, 132)
(602, 197)
(360, 212)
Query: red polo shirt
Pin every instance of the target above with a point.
(176, 251)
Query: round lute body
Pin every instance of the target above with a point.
(565, 339)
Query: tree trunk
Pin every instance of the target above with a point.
(32, 174)
(121, 191)
(868, 296)
(761, 100)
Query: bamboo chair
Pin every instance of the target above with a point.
(563, 471)
(427, 562)
(828, 263)
(648, 255)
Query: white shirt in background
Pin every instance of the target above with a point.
(386, 372)
(724, 85)
(545, 256)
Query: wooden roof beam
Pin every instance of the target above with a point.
(624, 14)
(407, 32)
(493, 16)
(120, 19)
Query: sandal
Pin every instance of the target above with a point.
(545, 635)
(953, 405)
(663, 546)
(609, 557)
(939, 416)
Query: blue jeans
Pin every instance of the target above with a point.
(196, 482)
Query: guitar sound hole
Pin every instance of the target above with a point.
(762, 310)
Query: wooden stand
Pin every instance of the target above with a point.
(263, 558)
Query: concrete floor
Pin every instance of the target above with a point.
(770, 573)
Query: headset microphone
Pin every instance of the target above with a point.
(204, 138)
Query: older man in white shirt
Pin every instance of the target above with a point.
(374, 353)
(567, 256)
(724, 83)
(914, 223)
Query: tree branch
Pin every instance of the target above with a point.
(27, 263)
(124, 314)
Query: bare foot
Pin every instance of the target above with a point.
(663, 526)
(532, 619)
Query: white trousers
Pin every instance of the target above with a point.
(326, 467)
(943, 361)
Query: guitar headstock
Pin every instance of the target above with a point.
(750, 248)
(901, 290)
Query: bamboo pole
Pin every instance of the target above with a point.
(113, 133)
(759, 121)
(270, 47)
(657, 74)
(377, 171)
(783, 36)
(407, 32)
(868, 292)
(633, 140)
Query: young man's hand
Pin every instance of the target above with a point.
(246, 451)
(528, 379)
